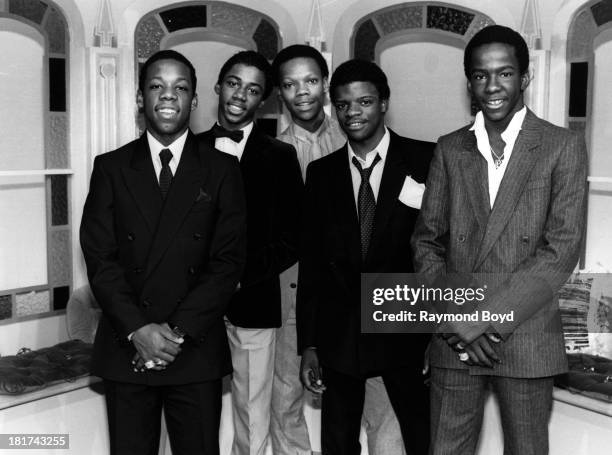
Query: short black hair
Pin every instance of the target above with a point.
(360, 71)
(497, 34)
(166, 55)
(249, 58)
(298, 51)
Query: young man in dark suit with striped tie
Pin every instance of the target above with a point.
(354, 221)
(273, 187)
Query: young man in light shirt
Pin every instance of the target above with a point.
(302, 76)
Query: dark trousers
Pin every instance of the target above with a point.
(342, 407)
(192, 411)
(457, 406)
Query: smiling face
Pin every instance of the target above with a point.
(303, 89)
(167, 100)
(361, 114)
(496, 83)
(240, 95)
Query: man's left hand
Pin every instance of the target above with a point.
(465, 331)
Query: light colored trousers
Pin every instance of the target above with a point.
(253, 364)
(288, 430)
(268, 397)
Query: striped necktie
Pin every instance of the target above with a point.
(367, 205)
(165, 176)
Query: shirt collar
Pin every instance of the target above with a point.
(303, 134)
(509, 134)
(380, 149)
(247, 132)
(176, 147)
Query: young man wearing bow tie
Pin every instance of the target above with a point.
(163, 236)
(273, 187)
(355, 220)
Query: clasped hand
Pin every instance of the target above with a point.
(155, 343)
(475, 339)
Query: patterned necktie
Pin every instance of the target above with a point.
(235, 135)
(165, 176)
(367, 205)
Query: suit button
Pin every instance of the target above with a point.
(137, 270)
(293, 285)
(146, 303)
(197, 236)
(192, 270)
(461, 238)
(131, 237)
(525, 239)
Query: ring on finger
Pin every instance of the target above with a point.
(149, 364)
(463, 356)
(159, 362)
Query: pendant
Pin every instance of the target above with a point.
(497, 162)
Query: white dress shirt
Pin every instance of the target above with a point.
(176, 148)
(376, 175)
(484, 147)
(226, 145)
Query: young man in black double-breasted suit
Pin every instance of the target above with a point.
(163, 235)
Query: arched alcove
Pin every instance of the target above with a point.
(420, 48)
(208, 33)
(589, 43)
(35, 267)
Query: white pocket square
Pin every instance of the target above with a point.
(412, 193)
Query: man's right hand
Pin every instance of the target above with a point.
(481, 352)
(157, 342)
(310, 371)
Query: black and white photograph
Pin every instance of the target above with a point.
(306, 227)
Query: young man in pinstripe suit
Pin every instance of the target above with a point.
(505, 197)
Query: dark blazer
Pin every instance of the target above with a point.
(328, 298)
(273, 186)
(527, 244)
(176, 261)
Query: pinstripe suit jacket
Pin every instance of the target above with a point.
(529, 241)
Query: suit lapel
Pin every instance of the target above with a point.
(474, 173)
(141, 182)
(251, 149)
(393, 177)
(345, 207)
(524, 156)
(207, 137)
(190, 177)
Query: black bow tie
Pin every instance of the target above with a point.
(219, 131)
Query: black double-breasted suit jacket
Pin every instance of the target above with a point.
(328, 298)
(273, 188)
(176, 261)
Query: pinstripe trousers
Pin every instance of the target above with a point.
(457, 406)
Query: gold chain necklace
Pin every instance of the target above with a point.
(497, 158)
